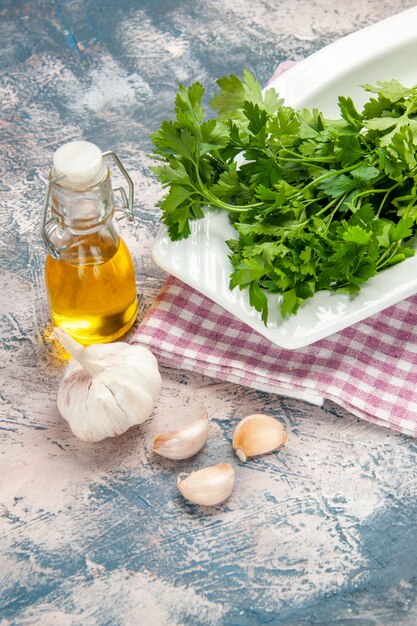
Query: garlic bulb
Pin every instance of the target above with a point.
(257, 434)
(183, 442)
(107, 388)
(208, 486)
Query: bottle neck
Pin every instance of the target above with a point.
(83, 210)
(85, 232)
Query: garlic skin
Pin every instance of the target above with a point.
(257, 434)
(106, 388)
(182, 443)
(208, 486)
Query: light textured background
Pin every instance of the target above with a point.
(322, 533)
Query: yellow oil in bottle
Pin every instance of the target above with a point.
(93, 300)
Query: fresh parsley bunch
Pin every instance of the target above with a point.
(316, 203)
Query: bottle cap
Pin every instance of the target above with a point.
(80, 163)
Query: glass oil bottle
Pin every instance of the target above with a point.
(89, 274)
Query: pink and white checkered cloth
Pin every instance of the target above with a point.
(369, 368)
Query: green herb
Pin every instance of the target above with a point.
(316, 203)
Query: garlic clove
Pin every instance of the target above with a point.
(182, 443)
(257, 434)
(208, 486)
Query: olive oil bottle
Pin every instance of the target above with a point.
(89, 274)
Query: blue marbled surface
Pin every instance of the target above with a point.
(322, 533)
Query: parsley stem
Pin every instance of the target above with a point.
(301, 158)
(323, 210)
(331, 173)
(381, 206)
(368, 192)
(391, 251)
(206, 193)
(335, 210)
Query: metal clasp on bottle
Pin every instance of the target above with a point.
(49, 224)
(126, 210)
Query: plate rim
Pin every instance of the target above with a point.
(406, 31)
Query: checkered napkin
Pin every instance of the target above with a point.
(370, 368)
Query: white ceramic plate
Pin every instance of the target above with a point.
(382, 51)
